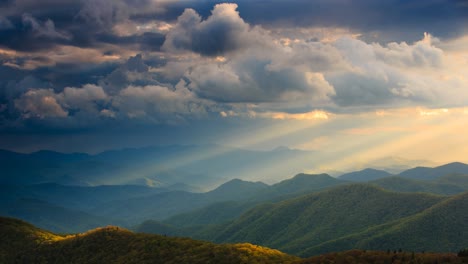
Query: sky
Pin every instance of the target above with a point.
(358, 79)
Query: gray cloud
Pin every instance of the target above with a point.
(40, 103)
(83, 69)
(5, 23)
(103, 13)
(45, 29)
(160, 104)
(255, 68)
(250, 79)
(381, 75)
(224, 31)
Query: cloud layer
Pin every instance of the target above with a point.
(86, 63)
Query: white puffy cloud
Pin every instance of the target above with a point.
(392, 75)
(420, 54)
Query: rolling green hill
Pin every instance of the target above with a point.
(298, 224)
(23, 243)
(218, 213)
(164, 205)
(460, 180)
(440, 228)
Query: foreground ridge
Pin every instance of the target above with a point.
(21, 242)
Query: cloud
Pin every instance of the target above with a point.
(420, 54)
(86, 105)
(103, 14)
(85, 98)
(40, 103)
(251, 66)
(393, 75)
(224, 31)
(250, 79)
(213, 60)
(46, 29)
(5, 23)
(159, 104)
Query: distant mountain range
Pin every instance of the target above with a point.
(129, 205)
(191, 168)
(418, 173)
(364, 175)
(204, 166)
(305, 215)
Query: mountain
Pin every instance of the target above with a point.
(297, 224)
(22, 243)
(38, 167)
(364, 175)
(460, 180)
(200, 166)
(441, 228)
(77, 197)
(221, 212)
(216, 213)
(447, 185)
(393, 164)
(130, 204)
(299, 184)
(52, 217)
(164, 205)
(234, 189)
(425, 173)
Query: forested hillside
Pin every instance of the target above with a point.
(23, 243)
